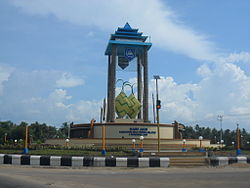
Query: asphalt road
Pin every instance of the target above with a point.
(27, 177)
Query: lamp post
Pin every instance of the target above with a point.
(200, 139)
(222, 141)
(184, 146)
(67, 142)
(26, 150)
(133, 145)
(220, 118)
(5, 138)
(158, 106)
(141, 145)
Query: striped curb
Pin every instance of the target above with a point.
(223, 161)
(54, 161)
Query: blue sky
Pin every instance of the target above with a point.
(53, 68)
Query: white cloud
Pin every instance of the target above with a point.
(36, 96)
(225, 89)
(156, 19)
(67, 80)
(236, 58)
(5, 72)
(204, 71)
(177, 99)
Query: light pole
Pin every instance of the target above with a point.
(184, 145)
(141, 145)
(220, 118)
(133, 145)
(158, 106)
(67, 142)
(222, 141)
(200, 139)
(5, 138)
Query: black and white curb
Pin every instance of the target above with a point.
(53, 161)
(223, 161)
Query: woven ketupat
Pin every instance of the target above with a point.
(136, 105)
(122, 105)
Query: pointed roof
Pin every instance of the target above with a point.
(127, 26)
(127, 36)
(128, 32)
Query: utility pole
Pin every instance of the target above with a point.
(153, 99)
(158, 106)
(220, 118)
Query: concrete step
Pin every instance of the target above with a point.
(187, 164)
(175, 154)
(188, 161)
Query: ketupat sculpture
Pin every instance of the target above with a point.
(127, 105)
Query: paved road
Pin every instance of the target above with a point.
(26, 177)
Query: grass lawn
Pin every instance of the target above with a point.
(230, 153)
(65, 152)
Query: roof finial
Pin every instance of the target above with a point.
(127, 26)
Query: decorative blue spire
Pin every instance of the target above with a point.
(127, 27)
(127, 36)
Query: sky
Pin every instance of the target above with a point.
(53, 68)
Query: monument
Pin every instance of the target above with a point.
(127, 116)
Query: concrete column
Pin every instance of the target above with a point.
(112, 82)
(108, 91)
(139, 82)
(145, 92)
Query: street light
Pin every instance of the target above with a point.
(200, 139)
(184, 145)
(67, 142)
(220, 118)
(158, 106)
(141, 145)
(133, 145)
(222, 141)
(5, 138)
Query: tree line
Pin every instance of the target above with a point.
(228, 136)
(38, 133)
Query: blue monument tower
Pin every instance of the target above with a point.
(124, 46)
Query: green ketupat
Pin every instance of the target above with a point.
(135, 106)
(122, 105)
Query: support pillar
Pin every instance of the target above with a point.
(145, 92)
(139, 82)
(112, 82)
(108, 92)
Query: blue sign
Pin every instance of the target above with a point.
(138, 132)
(130, 53)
